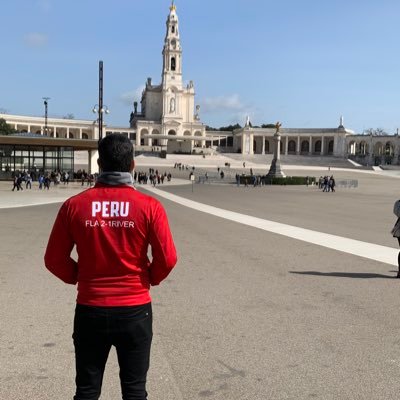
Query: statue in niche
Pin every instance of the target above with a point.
(197, 116)
(172, 105)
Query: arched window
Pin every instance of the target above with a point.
(317, 147)
(173, 64)
(330, 147)
(266, 145)
(292, 146)
(389, 149)
(85, 136)
(304, 146)
(173, 28)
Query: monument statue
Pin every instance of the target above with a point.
(275, 169)
(172, 106)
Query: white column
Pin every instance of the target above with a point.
(243, 143)
(298, 145)
(287, 145)
(68, 132)
(80, 133)
(251, 138)
(322, 146)
(54, 131)
(139, 136)
(310, 148)
(93, 155)
(16, 127)
(29, 128)
(263, 144)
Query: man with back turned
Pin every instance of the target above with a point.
(112, 225)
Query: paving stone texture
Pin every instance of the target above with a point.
(246, 314)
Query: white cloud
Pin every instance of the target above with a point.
(35, 39)
(128, 98)
(222, 103)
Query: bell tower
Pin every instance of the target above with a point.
(172, 53)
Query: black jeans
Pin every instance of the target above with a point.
(96, 329)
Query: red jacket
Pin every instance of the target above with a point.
(112, 228)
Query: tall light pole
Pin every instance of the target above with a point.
(99, 108)
(46, 99)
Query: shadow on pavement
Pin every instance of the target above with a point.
(360, 275)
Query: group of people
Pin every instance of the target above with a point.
(86, 177)
(254, 180)
(154, 176)
(181, 166)
(327, 183)
(44, 179)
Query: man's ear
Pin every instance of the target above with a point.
(132, 165)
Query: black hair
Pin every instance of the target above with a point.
(115, 153)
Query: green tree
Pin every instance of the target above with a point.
(268, 126)
(5, 129)
(229, 127)
(375, 132)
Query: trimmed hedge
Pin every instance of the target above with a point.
(289, 180)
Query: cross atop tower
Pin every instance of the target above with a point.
(172, 52)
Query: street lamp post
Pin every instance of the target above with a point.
(46, 99)
(100, 108)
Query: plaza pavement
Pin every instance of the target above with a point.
(247, 314)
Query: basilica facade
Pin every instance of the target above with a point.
(168, 118)
(169, 122)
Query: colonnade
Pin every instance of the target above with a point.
(290, 144)
(56, 131)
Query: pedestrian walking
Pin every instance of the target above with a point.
(332, 183)
(396, 231)
(112, 225)
(28, 181)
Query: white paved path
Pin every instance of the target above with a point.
(359, 248)
(371, 251)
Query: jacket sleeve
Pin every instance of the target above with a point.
(162, 245)
(57, 258)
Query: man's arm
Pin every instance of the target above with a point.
(162, 246)
(58, 252)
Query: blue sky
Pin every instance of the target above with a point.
(303, 63)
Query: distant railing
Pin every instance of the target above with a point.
(347, 183)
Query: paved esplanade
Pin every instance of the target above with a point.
(247, 314)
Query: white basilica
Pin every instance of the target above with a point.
(169, 122)
(167, 118)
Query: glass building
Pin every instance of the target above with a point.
(36, 158)
(40, 154)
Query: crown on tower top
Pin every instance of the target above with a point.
(173, 6)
